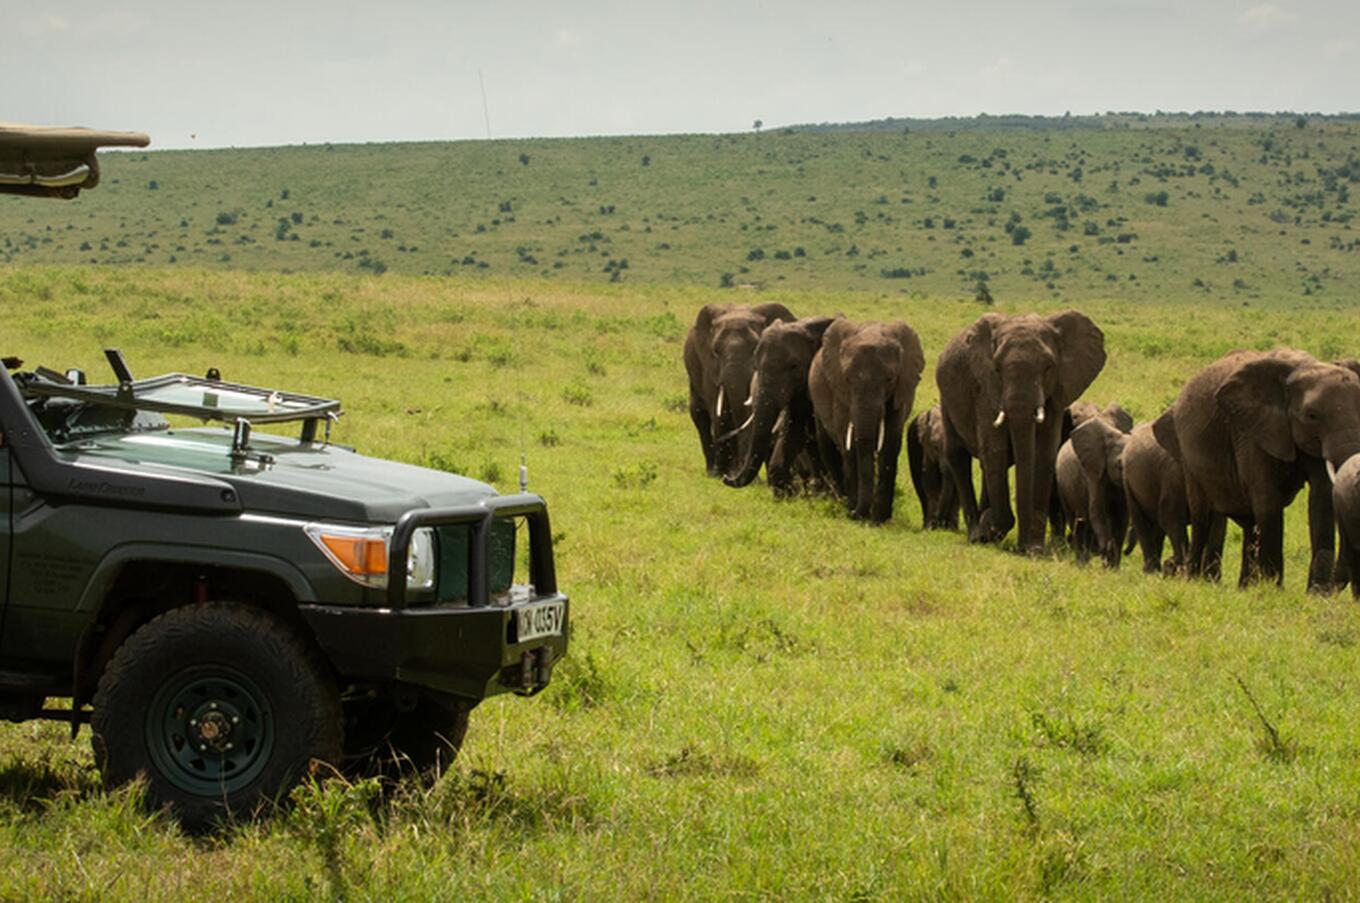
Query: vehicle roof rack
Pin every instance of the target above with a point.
(207, 398)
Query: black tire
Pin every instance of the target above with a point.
(386, 739)
(227, 657)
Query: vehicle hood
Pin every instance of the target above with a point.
(306, 480)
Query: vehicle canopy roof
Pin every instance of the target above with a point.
(55, 162)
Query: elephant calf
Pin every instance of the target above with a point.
(934, 486)
(863, 383)
(1346, 504)
(1090, 478)
(1155, 488)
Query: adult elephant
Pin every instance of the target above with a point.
(863, 383)
(1249, 431)
(1090, 481)
(1155, 488)
(933, 484)
(719, 357)
(781, 423)
(1004, 382)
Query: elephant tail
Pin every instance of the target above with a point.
(1131, 542)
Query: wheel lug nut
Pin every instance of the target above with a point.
(212, 705)
(235, 719)
(202, 747)
(229, 745)
(193, 722)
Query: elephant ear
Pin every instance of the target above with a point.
(1254, 401)
(980, 342)
(830, 353)
(817, 326)
(1350, 364)
(913, 358)
(703, 323)
(1164, 431)
(1081, 346)
(1121, 419)
(1090, 441)
(772, 312)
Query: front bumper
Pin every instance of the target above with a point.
(472, 650)
(467, 652)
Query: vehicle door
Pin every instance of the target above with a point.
(6, 507)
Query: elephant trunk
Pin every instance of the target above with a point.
(1338, 447)
(864, 440)
(1023, 440)
(733, 388)
(756, 453)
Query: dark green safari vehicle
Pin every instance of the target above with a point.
(225, 607)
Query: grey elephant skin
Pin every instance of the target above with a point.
(1346, 502)
(1004, 382)
(783, 429)
(863, 384)
(1090, 481)
(1249, 431)
(934, 487)
(720, 358)
(1155, 488)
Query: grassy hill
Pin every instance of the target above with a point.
(763, 699)
(1257, 213)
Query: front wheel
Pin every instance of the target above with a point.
(221, 706)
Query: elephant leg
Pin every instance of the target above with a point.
(703, 422)
(832, 464)
(886, 487)
(779, 469)
(1251, 552)
(948, 517)
(1207, 530)
(958, 465)
(995, 520)
(1270, 528)
(1321, 530)
(1344, 570)
(1150, 539)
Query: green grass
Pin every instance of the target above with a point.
(762, 699)
(1255, 212)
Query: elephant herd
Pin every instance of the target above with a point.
(823, 404)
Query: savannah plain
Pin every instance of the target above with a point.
(763, 699)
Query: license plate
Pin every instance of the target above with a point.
(545, 619)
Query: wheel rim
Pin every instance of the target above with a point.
(210, 730)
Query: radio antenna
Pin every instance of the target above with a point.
(486, 111)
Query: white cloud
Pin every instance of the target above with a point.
(1338, 48)
(1265, 17)
(568, 38)
(997, 69)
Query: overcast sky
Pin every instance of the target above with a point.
(251, 72)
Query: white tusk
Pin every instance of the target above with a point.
(1000, 419)
(1039, 415)
(725, 436)
(750, 400)
(1331, 472)
(783, 418)
(755, 385)
(882, 426)
(720, 402)
(849, 436)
